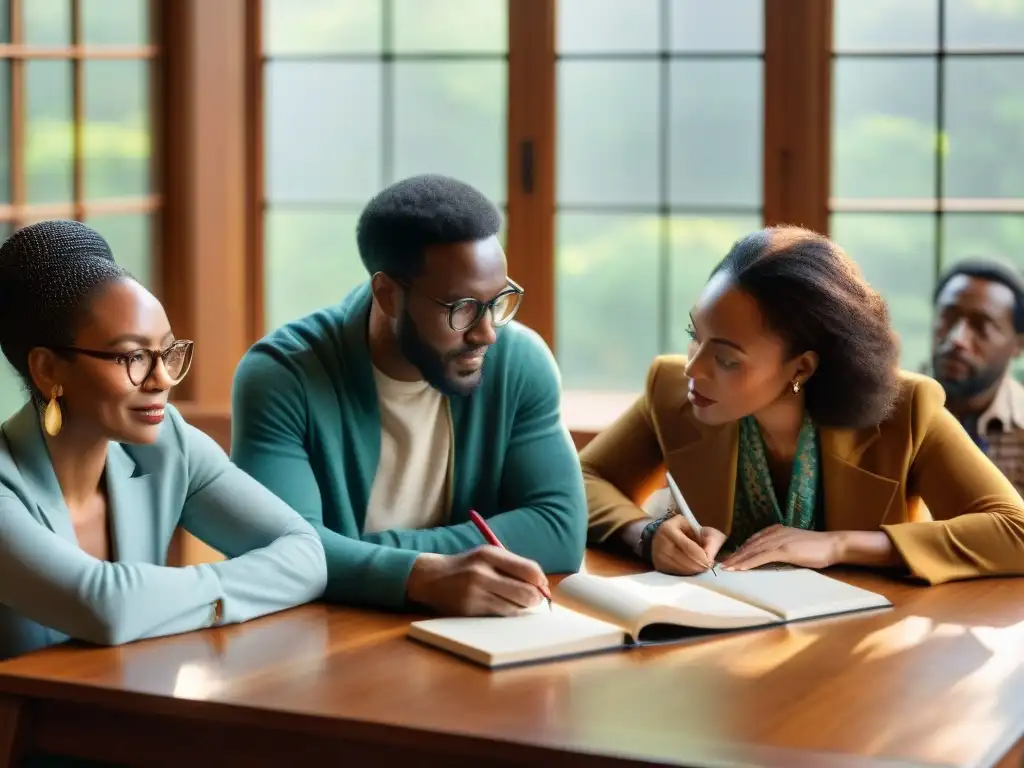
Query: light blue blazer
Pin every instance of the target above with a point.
(51, 590)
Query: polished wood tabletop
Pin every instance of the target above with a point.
(937, 680)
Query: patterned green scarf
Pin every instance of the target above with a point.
(756, 507)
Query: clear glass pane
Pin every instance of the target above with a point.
(606, 299)
(131, 239)
(115, 22)
(450, 117)
(717, 132)
(883, 128)
(310, 261)
(984, 108)
(608, 132)
(49, 139)
(985, 24)
(885, 25)
(698, 244)
(46, 22)
(425, 26)
(321, 26)
(117, 136)
(5, 21)
(5, 131)
(989, 235)
(722, 25)
(896, 253)
(606, 26)
(323, 131)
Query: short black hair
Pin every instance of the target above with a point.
(49, 272)
(401, 221)
(994, 271)
(814, 296)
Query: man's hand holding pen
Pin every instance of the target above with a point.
(487, 581)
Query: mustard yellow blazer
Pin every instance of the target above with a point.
(918, 476)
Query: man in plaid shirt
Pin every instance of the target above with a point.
(978, 332)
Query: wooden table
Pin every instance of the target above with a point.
(938, 680)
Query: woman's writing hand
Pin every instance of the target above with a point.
(779, 544)
(675, 549)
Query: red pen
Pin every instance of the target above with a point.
(493, 540)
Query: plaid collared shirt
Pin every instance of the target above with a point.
(1001, 431)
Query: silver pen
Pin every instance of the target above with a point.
(684, 510)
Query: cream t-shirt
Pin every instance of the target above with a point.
(411, 484)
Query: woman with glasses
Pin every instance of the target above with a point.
(97, 470)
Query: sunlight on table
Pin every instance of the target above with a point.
(196, 681)
(896, 638)
(760, 659)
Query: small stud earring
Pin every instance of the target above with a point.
(53, 419)
(796, 387)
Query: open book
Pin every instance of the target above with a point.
(597, 613)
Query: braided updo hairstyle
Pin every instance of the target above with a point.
(49, 272)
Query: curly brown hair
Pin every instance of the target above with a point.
(814, 297)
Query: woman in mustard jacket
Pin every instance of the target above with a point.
(794, 437)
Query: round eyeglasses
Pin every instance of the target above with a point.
(464, 314)
(140, 363)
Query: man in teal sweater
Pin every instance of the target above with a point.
(376, 420)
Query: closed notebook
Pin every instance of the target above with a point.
(597, 613)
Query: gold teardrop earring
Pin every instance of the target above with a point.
(53, 419)
(796, 387)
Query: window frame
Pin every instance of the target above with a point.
(796, 156)
(939, 205)
(18, 211)
(257, 203)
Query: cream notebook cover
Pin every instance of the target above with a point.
(597, 613)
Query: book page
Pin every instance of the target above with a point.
(791, 593)
(639, 600)
(594, 596)
(534, 634)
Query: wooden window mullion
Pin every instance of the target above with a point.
(531, 159)
(797, 112)
(255, 241)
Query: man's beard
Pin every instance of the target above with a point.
(978, 380)
(431, 363)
